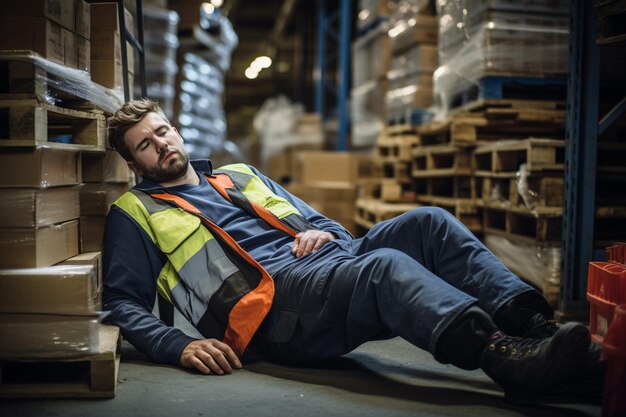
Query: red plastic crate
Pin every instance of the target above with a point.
(617, 253)
(606, 288)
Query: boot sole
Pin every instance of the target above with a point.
(567, 350)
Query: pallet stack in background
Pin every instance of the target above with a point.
(491, 147)
(58, 180)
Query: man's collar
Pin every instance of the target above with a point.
(201, 166)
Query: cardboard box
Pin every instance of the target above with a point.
(66, 289)
(84, 53)
(32, 207)
(46, 167)
(38, 247)
(83, 19)
(92, 233)
(107, 167)
(33, 33)
(96, 198)
(109, 73)
(334, 166)
(424, 31)
(93, 259)
(330, 191)
(189, 12)
(31, 336)
(71, 48)
(58, 11)
(104, 17)
(106, 45)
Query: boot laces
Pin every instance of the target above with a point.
(513, 346)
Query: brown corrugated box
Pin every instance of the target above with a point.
(60, 11)
(35, 207)
(47, 336)
(334, 166)
(92, 233)
(96, 198)
(38, 247)
(104, 17)
(33, 33)
(83, 19)
(59, 289)
(46, 168)
(107, 167)
(89, 259)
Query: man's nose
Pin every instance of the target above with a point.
(160, 144)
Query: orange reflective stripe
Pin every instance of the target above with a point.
(222, 181)
(246, 316)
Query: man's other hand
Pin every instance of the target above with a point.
(209, 356)
(310, 241)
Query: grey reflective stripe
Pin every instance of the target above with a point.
(152, 205)
(192, 307)
(239, 178)
(196, 267)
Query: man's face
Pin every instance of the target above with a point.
(157, 150)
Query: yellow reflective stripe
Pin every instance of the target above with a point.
(167, 280)
(194, 243)
(133, 206)
(256, 190)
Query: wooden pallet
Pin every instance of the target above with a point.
(540, 228)
(543, 191)
(441, 160)
(28, 123)
(508, 87)
(21, 78)
(89, 376)
(505, 157)
(463, 209)
(369, 212)
(457, 187)
(393, 169)
(395, 147)
(611, 22)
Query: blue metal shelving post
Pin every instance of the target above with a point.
(336, 24)
(580, 157)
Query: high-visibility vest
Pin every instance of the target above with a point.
(210, 279)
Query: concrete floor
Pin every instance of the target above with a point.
(388, 378)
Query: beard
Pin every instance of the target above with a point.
(172, 169)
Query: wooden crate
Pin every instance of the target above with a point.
(441, 160)
(369, 211)
(89, 376)
(505, 157)
(28, 123)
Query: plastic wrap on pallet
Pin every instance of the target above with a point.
(372, 11)
(371, 55)
(61, 289)
(411, 31)
(36, 336)
(38, 207)
(368, 112)
(59, 79)
(409, 91)
(540, 265)
(276, 124)
(406, 9)
(483, 41)
(159, 21)
(419, 58)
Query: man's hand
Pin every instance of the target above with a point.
(310, 241)
(209, 356)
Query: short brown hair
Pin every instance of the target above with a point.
(126, 117)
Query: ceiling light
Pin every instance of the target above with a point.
(264, 61)
(208, 8)
(251, 74)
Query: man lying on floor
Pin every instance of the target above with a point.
(254, 268)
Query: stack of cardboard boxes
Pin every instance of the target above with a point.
(57, 30)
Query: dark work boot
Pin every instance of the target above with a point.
(528, 368)
(539, 327)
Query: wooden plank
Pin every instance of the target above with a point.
(369, 212)
(507, 156)
(90, 376)
(438, 160)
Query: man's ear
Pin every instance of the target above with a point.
(135, 169)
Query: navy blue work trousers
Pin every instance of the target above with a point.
(410, 276)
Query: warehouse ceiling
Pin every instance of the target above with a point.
(256, 22)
